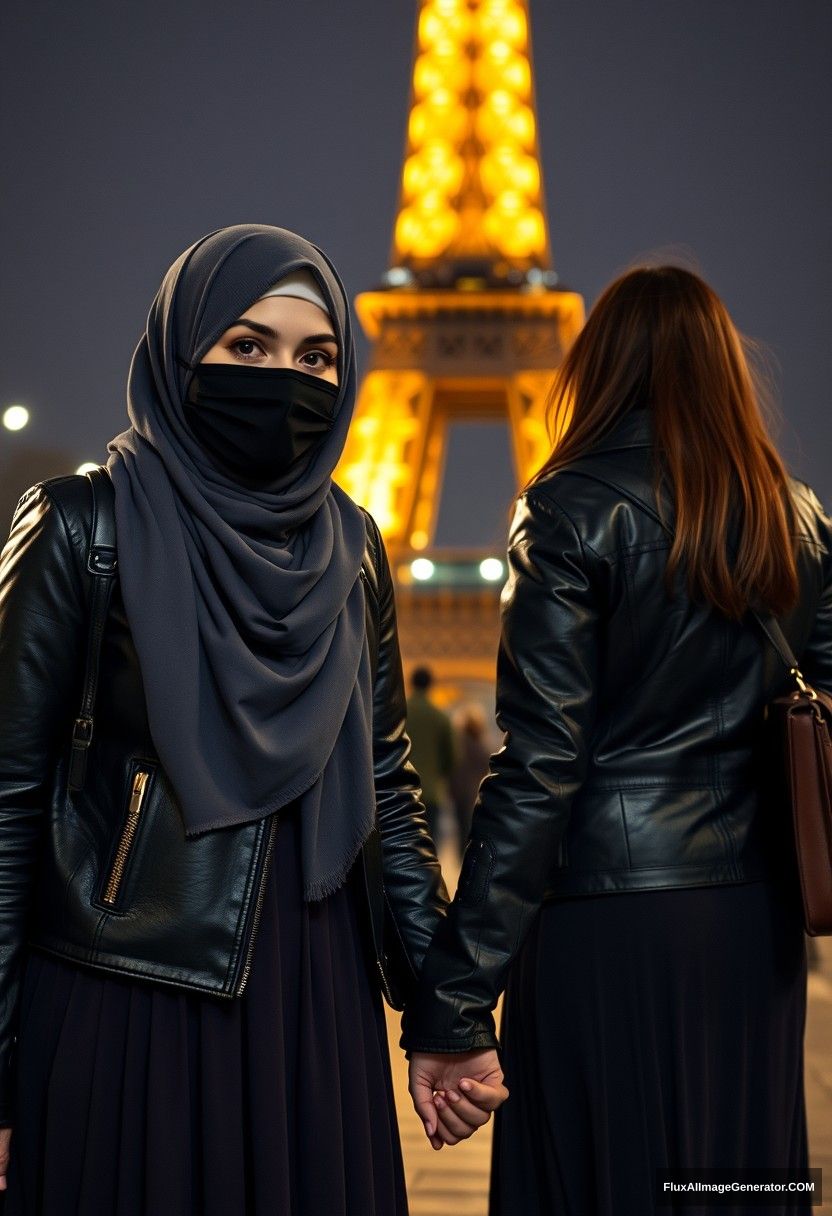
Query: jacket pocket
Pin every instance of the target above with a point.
(140, 778)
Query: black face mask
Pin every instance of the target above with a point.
(255, 422)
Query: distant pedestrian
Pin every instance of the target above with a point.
(472, 756)
(432, 737)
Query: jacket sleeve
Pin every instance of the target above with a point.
(546, 680)
(42, 617)
(414, 889)
(816, 659)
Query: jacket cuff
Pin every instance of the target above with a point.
(481, 1040)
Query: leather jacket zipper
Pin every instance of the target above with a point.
(384, 984)
(128, 832)
(258, 907)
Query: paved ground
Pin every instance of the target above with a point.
(819, 1067)
(454, 1181)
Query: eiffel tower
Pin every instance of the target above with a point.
(468, 322)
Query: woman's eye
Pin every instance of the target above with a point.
(247, 348)
(320, 359)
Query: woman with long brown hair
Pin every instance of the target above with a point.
(626, 872)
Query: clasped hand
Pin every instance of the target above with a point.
(454, 1094)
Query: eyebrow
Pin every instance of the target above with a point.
(268, 332)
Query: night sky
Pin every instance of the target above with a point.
(129, 130)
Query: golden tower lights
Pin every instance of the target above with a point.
(468, 322)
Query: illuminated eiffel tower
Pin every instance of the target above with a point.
(468, 322)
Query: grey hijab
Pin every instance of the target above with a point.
(246, 606)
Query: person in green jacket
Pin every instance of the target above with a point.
(432, 737)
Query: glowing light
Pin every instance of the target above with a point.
(491, 569)
(522, 235)
(506, 167)
(439, 116)
(501, 101)
(506, 22)
(438, 68)
(15, 417)
(471, 195)
(510, 202)
(376, 466)
(501, 119)
(471, 137)
(436, 168)
(86, 467)
(422, 569)
(501, 68)
(423, 235)
(439, 22)
(397, 276)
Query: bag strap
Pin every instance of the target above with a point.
(778, 639)
(373, 606)
(766, 620)
(101, 565)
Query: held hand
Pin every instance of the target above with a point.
(454, 1094)
(5, 1139)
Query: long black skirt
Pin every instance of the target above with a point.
(651, 1029)
(139, 1100)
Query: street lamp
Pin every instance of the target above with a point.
(491, 569)
(15, 417)
(422, 569)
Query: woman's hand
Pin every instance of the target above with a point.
(5, 1138)
(455, 1093)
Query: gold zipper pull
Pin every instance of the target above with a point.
(139, 782)
(128, 831)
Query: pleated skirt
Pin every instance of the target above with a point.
(651, 1029)
(139, 1100)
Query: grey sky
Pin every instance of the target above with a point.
(128, 130)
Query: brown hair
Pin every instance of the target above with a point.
(661, 337)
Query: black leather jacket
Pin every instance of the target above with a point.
(185, 912)
(631, 728)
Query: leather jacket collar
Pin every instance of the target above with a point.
(634, 430)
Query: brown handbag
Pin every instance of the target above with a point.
(798, 729)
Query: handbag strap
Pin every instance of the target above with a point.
(101, 566)
(766, 620)
(372, 558)
(778, 639)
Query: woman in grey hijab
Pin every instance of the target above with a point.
(239, 686)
